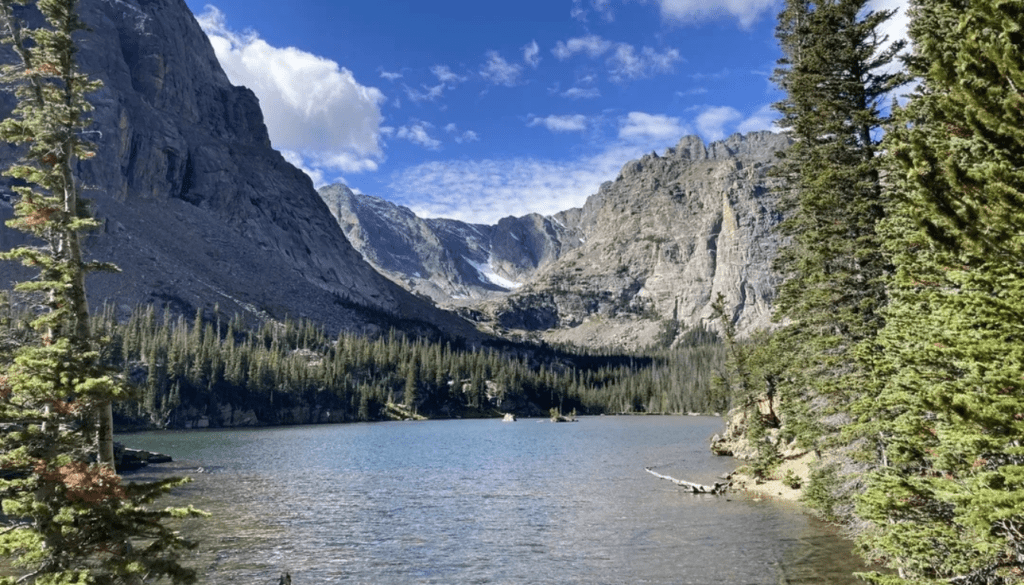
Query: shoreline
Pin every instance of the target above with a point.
(774, 488)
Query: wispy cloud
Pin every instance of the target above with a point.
(499, 71)
(592, 45)
(461, 137)
(391, 75)
(601, 7)
(417, 133)
(445, 75)
(627, 64)
(568, 123)
(626, 61)
(689, 11)
(484, 191)
(763, 119)
(581, 93)
(427, 94)
(645, 128)
(717, 122)
(531, 54)
(313, 108)
(712, 122)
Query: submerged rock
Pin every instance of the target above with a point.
(131, 459)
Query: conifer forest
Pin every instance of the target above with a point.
(896, 355)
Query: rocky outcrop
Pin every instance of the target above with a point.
(660, 243)
(639, 263)
(447, 260)
(131, 459)
(197, 209)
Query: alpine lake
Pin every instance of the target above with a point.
(483, 501)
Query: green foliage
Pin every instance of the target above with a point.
(66, 519)
(820, 493)
(177, 364)
(791, 480)
(834, 72)
(946, 502)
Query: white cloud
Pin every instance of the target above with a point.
(499, 71)
(428, 94)
(687, 11)
(694, 91)
(896, 30)
(644, 128)
(602, 7)
(580, 93)
(711, 123)
(390, 76)
(896, 27)
(763, 119)
(418, 133)
(461, 137)
(531, 54)
(467, 136)
(484, 191)
(593, 45)
(626, 64)
(444, 74)
(296, 160)
(569, 123)
(312, 107)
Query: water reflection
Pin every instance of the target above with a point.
(486, 502)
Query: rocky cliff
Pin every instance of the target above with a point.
(450, 261)
(661, 242)
(197, 208)
(641, 261)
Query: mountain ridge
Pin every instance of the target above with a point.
(642, 259)
(196, 207)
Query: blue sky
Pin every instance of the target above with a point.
(479, 110)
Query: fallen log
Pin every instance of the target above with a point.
(695, 488)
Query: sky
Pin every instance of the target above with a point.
(477, 110)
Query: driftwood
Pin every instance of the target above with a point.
(695, 488)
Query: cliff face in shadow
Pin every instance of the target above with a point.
(197, 208)
(450, 261)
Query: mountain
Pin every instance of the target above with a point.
(197, 208)
(638, 264)
(450, 261)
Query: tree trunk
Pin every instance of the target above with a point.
(105, 434)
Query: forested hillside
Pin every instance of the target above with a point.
(206, 372)
(901, 358)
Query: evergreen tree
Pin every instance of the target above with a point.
(946, 502)
(67, 520)
(834, 73)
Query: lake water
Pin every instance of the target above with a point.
(481, 501)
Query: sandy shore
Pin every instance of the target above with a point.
(774, 488)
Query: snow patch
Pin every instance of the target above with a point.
(487, 273)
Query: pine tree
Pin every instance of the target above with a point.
(834, 73)
(946, 502)
(67, 520)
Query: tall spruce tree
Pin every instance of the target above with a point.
(835, 71)
(946, 503)
(66, 519)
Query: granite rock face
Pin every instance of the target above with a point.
(450, 261)
(661, 242)
(197, 208)
(639, 263)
